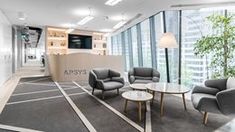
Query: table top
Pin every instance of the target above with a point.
(138, 86)
(137, 95)
(170, 88)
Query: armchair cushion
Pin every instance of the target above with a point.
(112, 85)
(231, 82)
(225, 101)
(143, 81)
(143, 78)
(206, 90)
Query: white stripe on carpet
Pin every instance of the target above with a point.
(113, 110)
(18, 129)
(78, 112)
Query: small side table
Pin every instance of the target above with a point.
(137, 96)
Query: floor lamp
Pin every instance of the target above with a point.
(167, 40)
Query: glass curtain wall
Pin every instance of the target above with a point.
(146, 47)
(172, 25)
(194, 25)
(134, 46)
(188, 28)
(160, 57)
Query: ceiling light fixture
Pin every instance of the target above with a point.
(120, 24)
(85, 20)
(21, 16)
(70, 30)
(112, 2)
(106, 30)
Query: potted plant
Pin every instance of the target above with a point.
(220, 45)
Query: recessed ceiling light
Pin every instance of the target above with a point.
(68, 25)
(120, 24)
(82, 12)
(85, 20)
(106, 30)
(70, 30)
(112, 2)
(21, 16)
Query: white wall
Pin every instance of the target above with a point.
(5, 49)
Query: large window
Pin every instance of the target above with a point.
(161, 59)
(172, 25)
(194, 69)
(134, 46)
(126, 50)
(146, 47)
(188, 26)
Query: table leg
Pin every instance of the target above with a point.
(183, 96)
(153, 96)
(125, 105)
(139, 104)
(161, 104)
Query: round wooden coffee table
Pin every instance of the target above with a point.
(137, 96)
(168, 88)
(138, 86)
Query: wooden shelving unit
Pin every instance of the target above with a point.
(57, 41)
(99, 44)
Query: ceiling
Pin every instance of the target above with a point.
(61, 12)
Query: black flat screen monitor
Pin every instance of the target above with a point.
(80, 41)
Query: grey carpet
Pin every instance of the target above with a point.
(23, 88)
(175, 117)
(54, 115)
(100, 117)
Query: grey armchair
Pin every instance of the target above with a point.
(105, 80)
(143, 75)
(215, 97)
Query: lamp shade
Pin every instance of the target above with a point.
(168, 40)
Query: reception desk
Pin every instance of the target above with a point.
(76, 66)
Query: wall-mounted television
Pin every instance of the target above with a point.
(80, 41)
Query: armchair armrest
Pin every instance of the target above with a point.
(156, 73)
(114, 74)
(206, 90)
(100, 84)
(92, 79)
(131, 77)
(216, 83)
(225, 101)
(155, 79)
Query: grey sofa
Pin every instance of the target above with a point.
(143, 75)
(105, 80)
(217, 96)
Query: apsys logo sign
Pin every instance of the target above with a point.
(75, 72)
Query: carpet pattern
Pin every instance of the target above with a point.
(38, 104)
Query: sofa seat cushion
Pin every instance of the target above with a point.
(110, 85)
(231, 82)
(205, 102)
(143, 81)
(143, 78)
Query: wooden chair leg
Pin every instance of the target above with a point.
(205, 118)
(118, 91)
(102, 94)
(93, 91)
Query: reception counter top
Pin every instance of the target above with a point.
(76, 66)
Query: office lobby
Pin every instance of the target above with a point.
(117, 65)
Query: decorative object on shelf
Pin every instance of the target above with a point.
(104, 45)
(52, 43)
